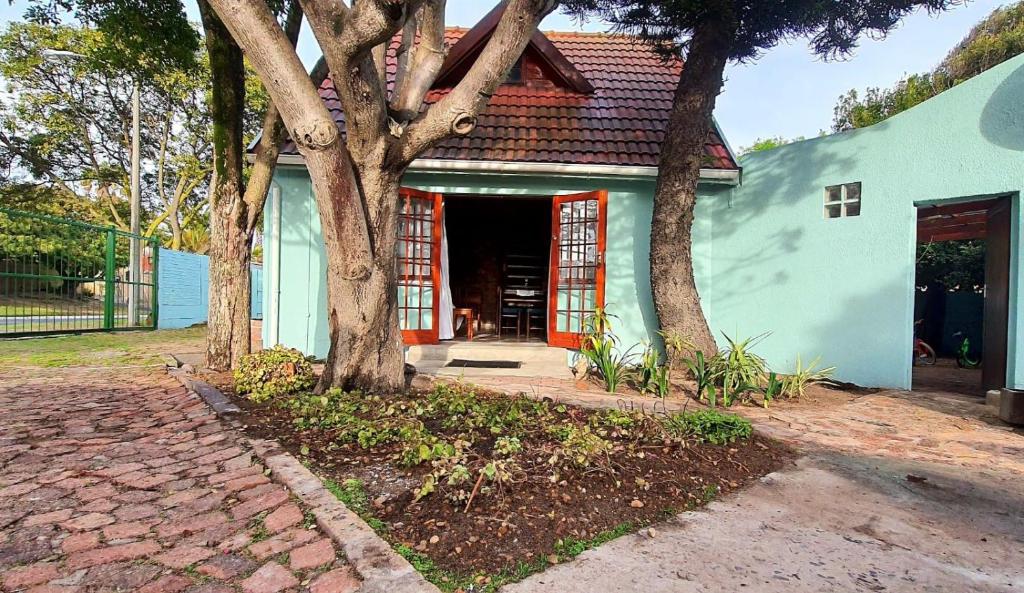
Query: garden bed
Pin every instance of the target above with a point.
(477, 487)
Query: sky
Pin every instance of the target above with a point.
(788, 91)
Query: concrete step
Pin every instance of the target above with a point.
(446, 351)
(538, 360)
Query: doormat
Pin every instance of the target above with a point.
(484, 364)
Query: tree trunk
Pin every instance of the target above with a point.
(228, 333)
(682, 153)
(366, 343)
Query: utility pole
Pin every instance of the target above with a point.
(134, 269)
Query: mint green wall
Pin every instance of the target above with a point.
(627, 288)
(765, 258)
(843, 288)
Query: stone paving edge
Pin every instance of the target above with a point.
(381, 568)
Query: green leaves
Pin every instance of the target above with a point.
(273, 373)
(709, 426)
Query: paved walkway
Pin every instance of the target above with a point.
(122, 481)
(908, 492)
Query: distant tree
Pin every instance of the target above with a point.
(957, 266)
(65, 125)
(997, 38)
(768, 144)
(710, 33)
(156, 35)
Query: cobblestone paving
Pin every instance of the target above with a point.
(123, 481)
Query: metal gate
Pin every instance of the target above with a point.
(64, 276)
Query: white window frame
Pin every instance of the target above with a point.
(844, 200)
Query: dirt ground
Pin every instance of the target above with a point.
(897, 491)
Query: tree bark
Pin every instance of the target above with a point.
(235, 206)
(228, 332)
(356, 181)
(366, 343)
(676, 299)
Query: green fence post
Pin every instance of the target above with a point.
(108, 281)
(155, 280)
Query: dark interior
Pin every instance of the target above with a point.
(498, 252)
(974, 316)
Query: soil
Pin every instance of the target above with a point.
(524, 525)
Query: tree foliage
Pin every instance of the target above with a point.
(833, 27)
(65, 125)
(997, 38)
(768, 143)
(953, 265)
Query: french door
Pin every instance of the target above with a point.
(576, 286)
(418, 252)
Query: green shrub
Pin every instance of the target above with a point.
(709, 426)
(273, 373)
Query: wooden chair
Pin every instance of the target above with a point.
(523, 289)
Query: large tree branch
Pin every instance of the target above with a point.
(354, 44)
(271, 136)
(342, 218)
(456, 114)
(419, 64)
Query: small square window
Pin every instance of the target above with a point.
(842, 200)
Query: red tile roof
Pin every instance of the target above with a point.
(622, 122)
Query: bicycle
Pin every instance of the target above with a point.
(963, 354)
(922, 352)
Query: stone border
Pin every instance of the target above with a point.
(381, 568)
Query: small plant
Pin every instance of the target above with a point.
(773, 388)
(709, 426)
(738, 370)
(601, 349)
(653, 375)
(677, 348)
(704, 375)
(794, 385)
(273, 373)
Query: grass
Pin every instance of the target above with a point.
(99, 349)
(353, 495)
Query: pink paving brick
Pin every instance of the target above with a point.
(312, 555)
(102, 497)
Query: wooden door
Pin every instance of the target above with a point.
(576, 285)
(419, 265)
(997, 295)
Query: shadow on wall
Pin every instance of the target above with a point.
(1002, 120)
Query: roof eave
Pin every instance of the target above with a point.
(707, 175)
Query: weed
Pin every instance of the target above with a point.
(353, 495)
(709, 426)
(570, 547)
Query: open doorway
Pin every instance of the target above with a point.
(498, 266)
(961, 305)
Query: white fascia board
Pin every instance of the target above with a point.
(569, 169)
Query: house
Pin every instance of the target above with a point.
(544, 212)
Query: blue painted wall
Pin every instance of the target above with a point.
(185, 288)
(843, 288)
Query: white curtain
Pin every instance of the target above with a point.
(446, 327)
